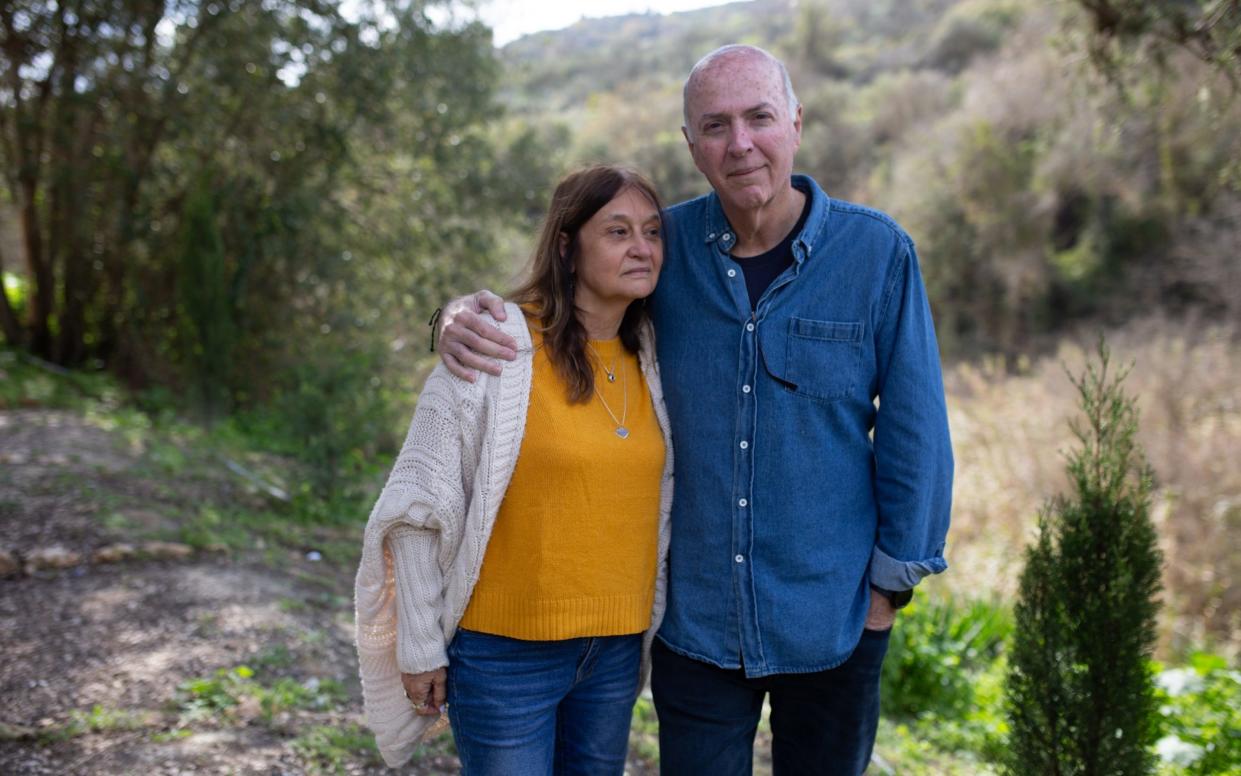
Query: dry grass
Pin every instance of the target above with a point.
(1010, 432)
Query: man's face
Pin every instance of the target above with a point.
(741, 134)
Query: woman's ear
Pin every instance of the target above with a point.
(564, 244)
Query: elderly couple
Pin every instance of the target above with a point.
(530, 556)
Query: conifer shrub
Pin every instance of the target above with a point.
(1080, 692)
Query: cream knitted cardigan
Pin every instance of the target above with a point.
(446, 487)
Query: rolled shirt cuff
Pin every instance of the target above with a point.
(888, 573)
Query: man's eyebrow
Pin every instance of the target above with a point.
(744, 111)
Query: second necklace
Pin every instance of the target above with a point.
(621, 430)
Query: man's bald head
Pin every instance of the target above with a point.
(723, 54)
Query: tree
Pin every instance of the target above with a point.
(204, 186)
(1208, 29)
(1080, 693)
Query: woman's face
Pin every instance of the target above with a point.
(620, 252)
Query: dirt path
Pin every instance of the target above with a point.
(172, 659)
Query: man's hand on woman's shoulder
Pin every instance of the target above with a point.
(467, 343)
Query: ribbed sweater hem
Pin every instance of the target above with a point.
(520, 617)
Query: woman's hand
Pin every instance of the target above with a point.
(427, 691)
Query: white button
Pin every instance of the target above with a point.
(711, 236)
(745, 445)
(745, 389)
(740, 559)
(732, 273)
(727, 237)
(749, 327)
(742, 503)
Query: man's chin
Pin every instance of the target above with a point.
(750, 197)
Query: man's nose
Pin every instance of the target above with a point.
(739, 141)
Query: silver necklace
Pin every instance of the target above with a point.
(621, 430)
(611, 373)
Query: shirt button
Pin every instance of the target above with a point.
(742, 503)
(711, 236)
(745, 389)
(745, 445)
(732, 273)
(749, 327)
(739, 558)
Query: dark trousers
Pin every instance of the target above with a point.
(822, 723)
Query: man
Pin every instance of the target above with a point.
(814, 468)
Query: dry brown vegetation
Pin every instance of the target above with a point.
(1010, 430)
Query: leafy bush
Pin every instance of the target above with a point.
(1200, 710)
(937, 650)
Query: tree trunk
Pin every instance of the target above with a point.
(9, 324)
(42, 300)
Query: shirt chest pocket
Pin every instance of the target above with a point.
(818, 360)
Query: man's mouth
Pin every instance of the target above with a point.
(743, 172)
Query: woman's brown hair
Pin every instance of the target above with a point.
(547, 292)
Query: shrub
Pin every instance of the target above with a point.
(936, 650)
(1200, 707)
(1080, 693)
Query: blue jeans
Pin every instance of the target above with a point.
(822, 723)
(532, 708)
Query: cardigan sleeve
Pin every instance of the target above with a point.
(420, 642)
(421, 511)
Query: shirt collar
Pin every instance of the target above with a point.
(716, 228)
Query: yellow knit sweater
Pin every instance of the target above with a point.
(574, 547)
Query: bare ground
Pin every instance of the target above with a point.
(96, 656)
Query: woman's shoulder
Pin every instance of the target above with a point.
(515, 326)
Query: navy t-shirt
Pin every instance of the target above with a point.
(764, 268)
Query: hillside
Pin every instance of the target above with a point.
(1041, 195)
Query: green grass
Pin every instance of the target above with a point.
(644, 731)
(329, 749)
(27, 384)
(99, 719)
(221, 696)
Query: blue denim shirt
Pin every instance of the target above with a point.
(813, 454)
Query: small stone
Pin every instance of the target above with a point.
(9, 563)
(167, 550)
(54, 557)
(114, 553)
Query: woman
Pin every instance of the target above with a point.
(513, 564)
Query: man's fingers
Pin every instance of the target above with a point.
(468, 359)
(457, 368)
(485, 300)
(485, 340)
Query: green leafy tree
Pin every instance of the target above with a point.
(1080, 694)
(1208, 29)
